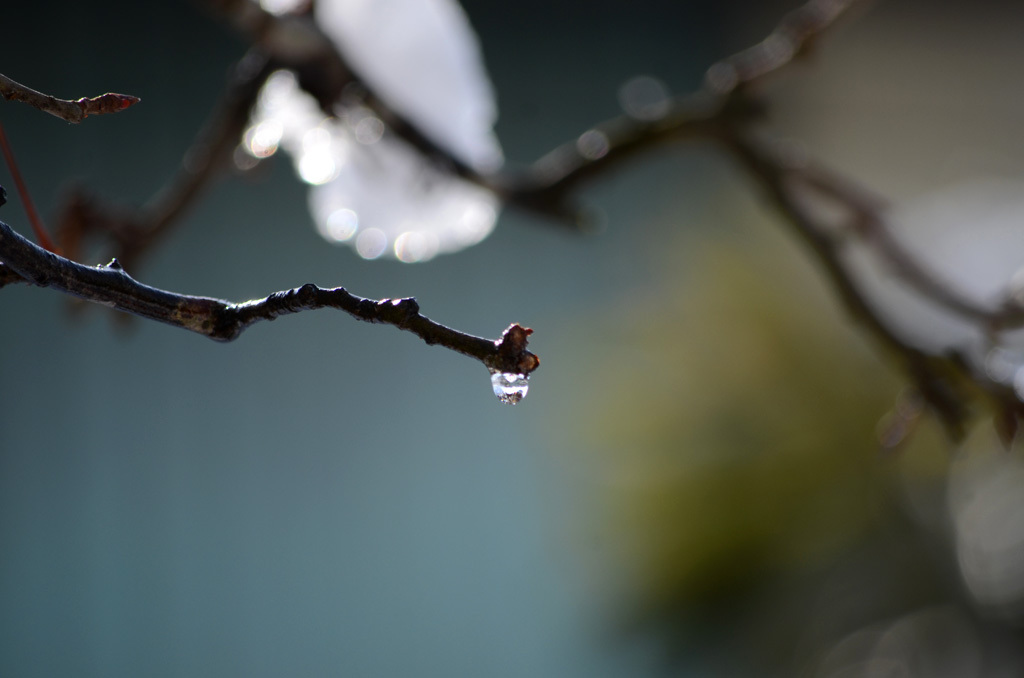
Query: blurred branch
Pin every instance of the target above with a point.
(42, 235)
(794, 37)
(135, 230)
(222, 320)
(869, 223)
(929, 374)
(71, 111)
(724, 112)
(296, 42)
(546, 185)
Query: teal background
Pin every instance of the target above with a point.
(325, 497)
(321, 497)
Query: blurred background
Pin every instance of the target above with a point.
(694, 485)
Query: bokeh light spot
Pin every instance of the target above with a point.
(644, 98)
(278, 92)
(988, 517)
(722, 77)
(592, 144)
(317, 162)
(413, 246)
(1002, 365)
(341, 225)
(243, 159)
(369, 130)
(261, 140)
(371, 243)
(279, 7)
(476, 223)
(316, 167)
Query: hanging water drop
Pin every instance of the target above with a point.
(509, 386)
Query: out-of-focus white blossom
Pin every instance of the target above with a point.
(972, 238)
(370, 188)
(987, 510)
(423, 59)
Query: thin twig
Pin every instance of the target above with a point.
(546, 185)
(793, 37)
(42, 235)
(71, 111)
(222, 320)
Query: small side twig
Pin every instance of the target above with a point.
(223, 320)
(65, 109)
(135, 230)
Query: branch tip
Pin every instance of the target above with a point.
(111, 102)
(512, 356)
(68, 110)
(24, 261)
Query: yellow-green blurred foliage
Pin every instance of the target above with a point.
(732, 415)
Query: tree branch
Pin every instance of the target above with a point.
(222, 320)
(546, 185)
(723, 111)
(71, 111)
(135, 230)
(794, 37)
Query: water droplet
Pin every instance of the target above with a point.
(509, 387)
